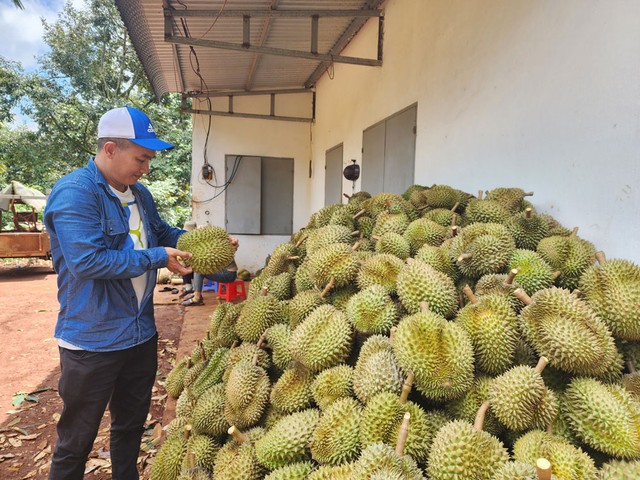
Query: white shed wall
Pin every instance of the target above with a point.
(537, 94)
(242, 136)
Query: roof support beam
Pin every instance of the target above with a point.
(272, 13)
(247, 115)
(274, 51)
(243, 93)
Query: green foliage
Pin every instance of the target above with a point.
(91, 67)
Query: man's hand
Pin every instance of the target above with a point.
(234, 242)
(174, 265)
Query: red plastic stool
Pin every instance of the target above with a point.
(232, 290)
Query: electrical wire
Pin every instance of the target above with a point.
(224, 186)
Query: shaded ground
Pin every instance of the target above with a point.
(29, 357)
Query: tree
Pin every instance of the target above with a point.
(18, 4)
(91, 67)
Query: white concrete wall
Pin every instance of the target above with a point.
(537, 94)
(242, 136)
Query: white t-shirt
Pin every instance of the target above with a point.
(137, 235)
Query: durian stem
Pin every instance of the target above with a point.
(424, 307)
(482, 411)
(511, 276)
(542, 363)
(301, 240)
(469, 294)
(237, 435)
(356, 246)
(328, 288)
(293, 257)
(454, 219)
(348, 197)
(527, 212)
(262, 339)
(543, 469)
(464, 256)
(191, 460)
(389, 205)
(403, 434)
(480, 194)
(574, 232)
(355, 233)
(264, 291)
(455, 207)
(392, 334)
(359, 214)
(600, 257)
(522, 296)
(234, 344)
(186, 432)
(406, 387)
(555, 275)
(203, 351)
(454, 231)
(630, 366)
(528, 194)
(375, 237)
(189, 363)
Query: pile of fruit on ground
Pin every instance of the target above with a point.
(433, 334)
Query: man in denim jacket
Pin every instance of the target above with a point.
(107, 240)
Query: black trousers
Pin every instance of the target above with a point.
(89, 381)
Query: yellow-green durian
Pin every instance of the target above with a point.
(293, 471)
(208, 414)
(246, 394)
(210, 247)
(336, 439)
(371, 310)
(419, 282)
(332, 384)
(380, 460)
(482, 248)
(380, 269)
(292, 391)
(570, 255)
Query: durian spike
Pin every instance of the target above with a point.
(237, 435)
(392, 334)
(482, 411)
(403, 434)
(406, 387)
(454, 231)
(543, 469)
(359, 214)
(424, 307)
(600, 257)
(455, 207)
(328, 288)
(301, 240)
(511, 276)
(469, 294)
(264, 291)
(630, 366)
(555, 275)
(542, 363)
(527, 212)
(464, 256)
(522, 296)
(480, 194)
(574, 232)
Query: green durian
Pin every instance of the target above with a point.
(210, 247)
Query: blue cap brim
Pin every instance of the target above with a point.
(152, 143)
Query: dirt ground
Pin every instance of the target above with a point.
(29, 402)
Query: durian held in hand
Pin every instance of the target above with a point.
(212, 249)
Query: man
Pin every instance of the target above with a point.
(107, 240)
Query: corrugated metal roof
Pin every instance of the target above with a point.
(188, 45)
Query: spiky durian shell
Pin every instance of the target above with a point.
(287, 441)
(246, 394)
(527, 231)
(330, 472)
(322, 340)
(439, 259)
(293, 471)
(460, 451)
(438, 352)
(490, 246)
(419, 282)
(336, 439)
(335, 262)
(327, 235)
(212, 373)
(238, 461)
(258, 314)
(466, 407)
(612, 290)
(424, 232)
(208, 413)
(570, 255)
(379, 460)
(292, 391)
(174, 382)
(372, 311)
(604, 416)
(486, 211)
(332, 384)
(303, 304)
(381, 269)
(492, 326)
(168, 461)
(210, 247)
(534, 273)
(376, 369)
(568, 333)
(620, 470)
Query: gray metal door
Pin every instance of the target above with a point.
(333, 176)
(277, 196)
(243, 197)
(400, 151)
(373, 158)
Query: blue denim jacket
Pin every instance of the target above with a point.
(88, 229)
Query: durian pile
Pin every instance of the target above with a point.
(433, 334)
